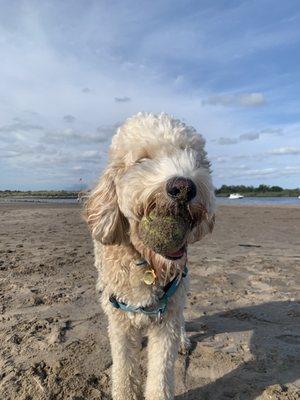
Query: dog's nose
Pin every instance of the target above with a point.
(181, 189)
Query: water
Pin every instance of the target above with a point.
(220, 200)
(259, 200)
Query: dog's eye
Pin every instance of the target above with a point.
(141, 160)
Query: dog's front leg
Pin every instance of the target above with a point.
(162, 352)
(125, 344)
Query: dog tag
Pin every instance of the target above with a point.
(149, 277)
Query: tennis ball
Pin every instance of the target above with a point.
(162, 233)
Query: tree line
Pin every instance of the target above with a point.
(262, 190)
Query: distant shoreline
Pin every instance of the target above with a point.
(42, 194)
(64, 194)
(220, 201)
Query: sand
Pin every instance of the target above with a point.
(243, 310)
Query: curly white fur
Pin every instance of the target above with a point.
(146, 152)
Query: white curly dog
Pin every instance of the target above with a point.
(157, 172)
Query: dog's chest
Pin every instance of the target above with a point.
(120, 276)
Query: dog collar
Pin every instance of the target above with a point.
(161, 305)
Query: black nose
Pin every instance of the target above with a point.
(181, 189)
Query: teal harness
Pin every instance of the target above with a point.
(162, 303)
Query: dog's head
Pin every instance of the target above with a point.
(157, 174)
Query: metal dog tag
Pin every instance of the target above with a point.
(149, 277)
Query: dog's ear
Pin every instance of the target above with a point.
(202, 229)
(107, 223)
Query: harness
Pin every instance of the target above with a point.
(161, 306)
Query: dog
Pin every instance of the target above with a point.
(157, 185)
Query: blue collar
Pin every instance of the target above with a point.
(162, 304)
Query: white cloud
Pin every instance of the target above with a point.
(272, 131)
(257, 173)
(123, 99)
(220, 160)
(283, 151)
(91, 153)
(77, 138)
(69, 119)
(4, 153)
(20, 127)
(246, 173)
(67, 59)
(250, 99)
(244, 137)
(242, 100)
(249, 136)
(227, 141)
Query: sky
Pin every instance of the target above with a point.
(71, 71)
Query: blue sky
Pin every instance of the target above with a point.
(72, 71)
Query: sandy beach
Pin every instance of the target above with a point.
(243, 309)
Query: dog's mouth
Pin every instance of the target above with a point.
(165, 234)
(177, 254)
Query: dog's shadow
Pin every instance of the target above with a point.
(274, 346)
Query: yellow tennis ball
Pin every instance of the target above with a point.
(162, 233)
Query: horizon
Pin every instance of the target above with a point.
(73, 71)
(86, 188)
